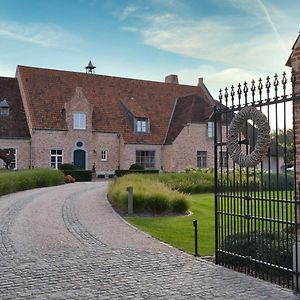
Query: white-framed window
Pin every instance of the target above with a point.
(13, 164)
(79, 120)
(201, 159)
(142, 126)
(145, 158)
(210, 129)
(103, 155)
(56, 158)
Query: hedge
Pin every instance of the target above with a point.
(13, 181)
(262, 246)
(120, 173)
(79, 175)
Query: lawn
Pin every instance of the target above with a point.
(179, 231)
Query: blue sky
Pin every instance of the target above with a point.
(223, 41)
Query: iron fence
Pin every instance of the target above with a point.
(255, 207)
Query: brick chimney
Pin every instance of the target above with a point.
(172, 78)
(200, 81)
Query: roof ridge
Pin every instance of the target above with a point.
(102, 75)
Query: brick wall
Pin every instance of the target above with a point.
(22, 147)
(183, 151)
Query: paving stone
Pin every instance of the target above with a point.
(99, 271)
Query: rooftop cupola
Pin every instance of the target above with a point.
(90, 68)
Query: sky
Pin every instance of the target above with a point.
(223, 41)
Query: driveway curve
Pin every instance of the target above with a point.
(66, 242)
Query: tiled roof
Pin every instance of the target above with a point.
(47, 91)
(188, 109)
(14, 125)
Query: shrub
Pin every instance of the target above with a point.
(79, 175)
(262, 246)
(120, 173)
(68, 167)
(136, 166)
(13, 181)
(149, 196)
(192, 182)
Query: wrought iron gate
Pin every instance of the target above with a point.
(255, 207)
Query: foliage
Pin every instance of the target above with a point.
(192, 181)
(285, 139)
(261, 246)
(136, 166)
(148, 196)
(13, 181)
(79, 175)
(120, 173)
(68, 167)
(178, 231)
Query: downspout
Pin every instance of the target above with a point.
(119, 156)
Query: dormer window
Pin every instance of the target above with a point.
(79, 120)
(4, 108)
(141, 125)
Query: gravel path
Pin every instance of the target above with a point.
(66, 242)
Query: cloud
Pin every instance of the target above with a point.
(235, 41)
(43, 35)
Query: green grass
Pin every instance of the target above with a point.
(13, 181)
(179, 231)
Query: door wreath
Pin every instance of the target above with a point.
(263, 137)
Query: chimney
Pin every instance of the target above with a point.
(200, 81)
(172, 78)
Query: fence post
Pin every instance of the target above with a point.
(195, 223)
(130, 200)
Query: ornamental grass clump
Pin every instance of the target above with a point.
(191, 181)
(149, 196)
(13, 181)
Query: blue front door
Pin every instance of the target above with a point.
(79, 159)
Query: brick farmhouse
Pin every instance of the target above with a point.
(51, 117)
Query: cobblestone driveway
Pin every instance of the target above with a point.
(66, 243)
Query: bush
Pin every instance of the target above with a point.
(68, 167)
(136, 167)
(79, 175)
(13, 181)
(120, 173)
(262, 246)
(192, 182)
(149, 196)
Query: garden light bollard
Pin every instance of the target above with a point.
(130, 200)
(195, 223)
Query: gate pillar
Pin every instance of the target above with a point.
(294, 63)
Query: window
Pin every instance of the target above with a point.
(146, 159)
(201, 159)
(142, 126)
(79, 120)
(56, 158)
(13, 164)
(4, 108)
(210, 129)
(223, 159)
(4, 111)
(103, 155)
